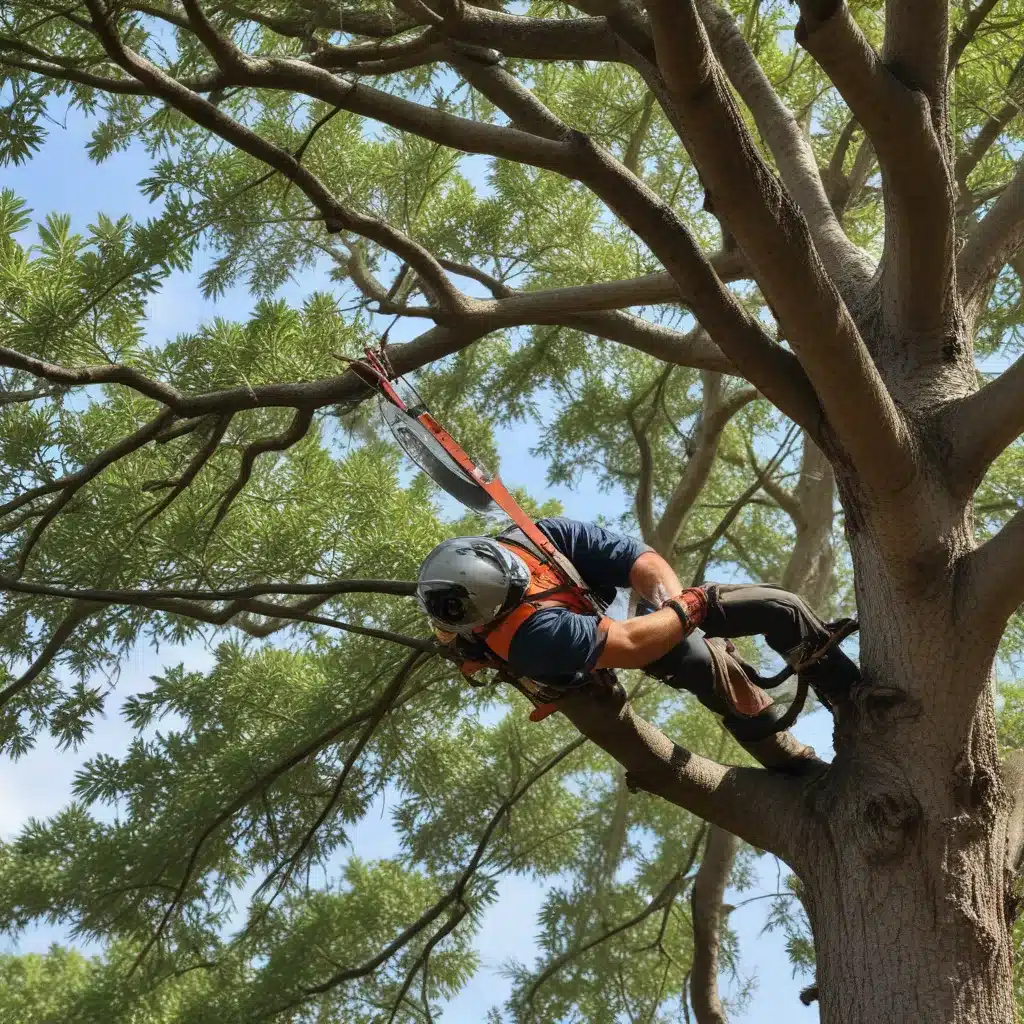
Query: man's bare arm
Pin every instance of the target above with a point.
(637, 642)
(653, 578)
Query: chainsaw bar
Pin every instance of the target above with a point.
(430, 455)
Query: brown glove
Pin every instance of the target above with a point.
(691, 605)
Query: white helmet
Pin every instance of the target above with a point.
(467, 582)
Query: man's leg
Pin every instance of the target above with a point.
(789, 627)
(689, 667)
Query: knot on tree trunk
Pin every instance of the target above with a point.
(869, 798)
(881, 706)
(874, 709)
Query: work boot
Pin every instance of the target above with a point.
(825, 666)
(783, 752)
(780, 750)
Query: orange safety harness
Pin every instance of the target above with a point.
(548, 588)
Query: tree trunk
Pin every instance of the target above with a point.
(905, 865)
(905, 889)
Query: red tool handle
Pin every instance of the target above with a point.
(494, 488)
(492, 485)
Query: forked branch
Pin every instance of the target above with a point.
(774, 237)
(908, 136)
(982, 425)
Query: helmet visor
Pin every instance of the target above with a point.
(449, 603)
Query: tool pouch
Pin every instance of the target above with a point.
(732, 684)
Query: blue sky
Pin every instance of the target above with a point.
(61, 179)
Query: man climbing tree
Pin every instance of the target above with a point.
(505, 601)
(837, 223)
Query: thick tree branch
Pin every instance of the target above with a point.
(992, 241)
(110, 373)
(526, 37)
(760, 806)
(920, 238)
(991, 581)
(539, 306)
(377, 23)
(848, 266)
(774, 238)
(706, 913)
(459, 133)
(982, 425)
(551, 39)
(917, 44)
(433, 344)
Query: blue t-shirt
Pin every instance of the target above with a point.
(554, 645)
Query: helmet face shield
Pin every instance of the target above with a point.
(447, 603)
(467, 582)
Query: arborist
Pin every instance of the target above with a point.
(503, 602)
